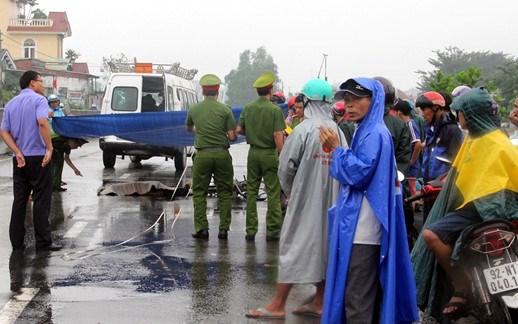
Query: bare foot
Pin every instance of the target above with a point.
(457, 306)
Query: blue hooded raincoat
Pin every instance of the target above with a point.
(369, 168)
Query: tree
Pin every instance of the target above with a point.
(25, 8)
(239, 81)
(118, 63)
(454, 60)
(10, 86)
(506, 80)
(39, 14)
(72, 55)
(470, 77)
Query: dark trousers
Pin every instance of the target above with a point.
(58, 161)
(361, 292)
(32, 177)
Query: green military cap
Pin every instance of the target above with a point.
(209, 80)
(265, 80)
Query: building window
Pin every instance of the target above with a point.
(29, 48)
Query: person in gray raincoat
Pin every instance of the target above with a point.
(304, 176)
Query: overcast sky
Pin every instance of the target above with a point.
(361, 38)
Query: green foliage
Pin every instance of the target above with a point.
(453, 60)
(39, 14)
(442, 82)
(497, 72)
(25, 8)
(72, 55)
(505, 79)
(470, 77)
(239, 81)
(9, 88)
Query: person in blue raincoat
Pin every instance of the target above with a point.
(368, 246)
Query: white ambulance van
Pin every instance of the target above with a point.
(147, 87)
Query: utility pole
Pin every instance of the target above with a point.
(324, 63)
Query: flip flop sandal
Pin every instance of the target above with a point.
(305, 310)
(264, 314)
(461, 308)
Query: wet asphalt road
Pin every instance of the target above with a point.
(161, 275)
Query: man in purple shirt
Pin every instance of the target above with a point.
(25, 130)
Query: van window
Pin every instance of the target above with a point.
(125, 99)
(170, 98)
(192, 98)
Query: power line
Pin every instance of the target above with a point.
(16, 42)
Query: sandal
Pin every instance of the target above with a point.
(461, 308)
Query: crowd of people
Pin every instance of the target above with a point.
(336, 160)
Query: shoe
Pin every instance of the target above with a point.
(59, 189)
(223, 234)
(203, 234)
(272, 238)
(250, 237)
(51, 247)
(63, 183)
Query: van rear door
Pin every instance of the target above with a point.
(125, 94)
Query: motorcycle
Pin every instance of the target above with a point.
(489, 256)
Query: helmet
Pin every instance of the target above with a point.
(279, 97)
(338, 108)
(291, 102)
(318, 89)
(430, 99)
(52, 98)
(390, 90)
(410, 103)
(460, 90)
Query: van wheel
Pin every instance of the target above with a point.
(180, 160)
(135, 159)
(109, 159)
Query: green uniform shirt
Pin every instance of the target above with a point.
(260, 119)
(212, 120)
(296, 121)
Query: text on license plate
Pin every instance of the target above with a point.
(502, 278)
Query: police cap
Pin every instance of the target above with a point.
(265, 80)
(210, 82)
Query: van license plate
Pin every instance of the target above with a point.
(502, 278)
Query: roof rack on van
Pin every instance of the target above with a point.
(174, 69)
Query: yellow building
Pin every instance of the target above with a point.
(41, 39)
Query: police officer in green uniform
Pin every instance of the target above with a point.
(213, 124)
(262, 123)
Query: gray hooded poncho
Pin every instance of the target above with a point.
(304, 177)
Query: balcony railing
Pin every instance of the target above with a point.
(31, 22)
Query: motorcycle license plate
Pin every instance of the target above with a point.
(502, 278)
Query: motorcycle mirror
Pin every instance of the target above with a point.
(444, 159)
(400, 176)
